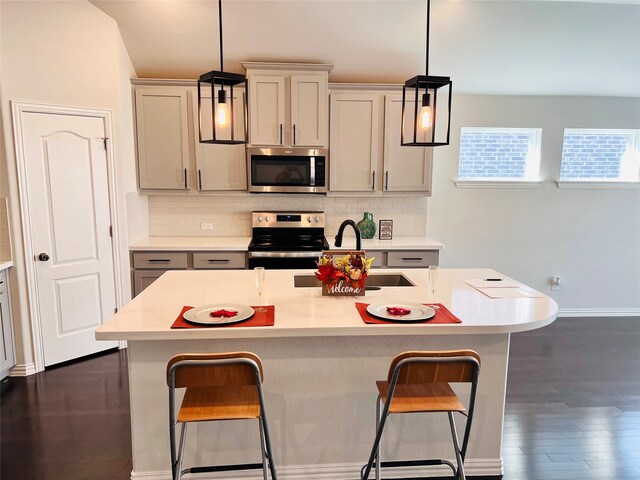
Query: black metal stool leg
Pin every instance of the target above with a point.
(378, 408)
(456, 446)
(267, 443)
(265, 468)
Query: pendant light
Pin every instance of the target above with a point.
(424, 120)
(222, 112)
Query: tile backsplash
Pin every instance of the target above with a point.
(231, 215)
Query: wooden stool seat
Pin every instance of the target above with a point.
(234, 402)
(429, 397)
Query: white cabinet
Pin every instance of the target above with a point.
(163, 138)
(406, 169)
(219, 167)
(288, 104)
(354, 140)
(366, 156)
(170, 155)
(7, 354)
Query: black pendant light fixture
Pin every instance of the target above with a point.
(426, 122)
(222, 112)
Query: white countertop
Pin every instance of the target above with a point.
(4, 264)
(191, 244)
(241, 243)
(304, 312)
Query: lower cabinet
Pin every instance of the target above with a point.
(403, 258)
(149, 266)
(7, 354)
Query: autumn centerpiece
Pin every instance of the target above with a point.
(343, 275)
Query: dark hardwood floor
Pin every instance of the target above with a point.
(573, 410)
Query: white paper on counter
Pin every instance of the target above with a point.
(482, 283)
(509, 293)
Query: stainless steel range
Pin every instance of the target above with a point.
(286, 239)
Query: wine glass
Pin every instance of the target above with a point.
(433, 281)
(259, 281)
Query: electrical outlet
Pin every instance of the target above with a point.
(206, 226)
(555, 283)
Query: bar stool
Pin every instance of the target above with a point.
(221, 386)
(419, 382)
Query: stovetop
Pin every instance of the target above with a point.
(288, 231)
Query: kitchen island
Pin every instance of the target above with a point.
(321, 362)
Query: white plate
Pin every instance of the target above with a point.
(418, 312)
(201, 314)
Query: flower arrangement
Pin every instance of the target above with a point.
(343, 275)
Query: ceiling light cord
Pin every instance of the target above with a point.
(220, 22)
(427, 42)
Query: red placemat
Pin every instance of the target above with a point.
(443, 315)
(264, 317)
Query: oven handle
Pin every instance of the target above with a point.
(285, 254)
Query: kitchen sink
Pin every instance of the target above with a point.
(375, 280)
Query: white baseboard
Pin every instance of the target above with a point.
(23, 370)
(599, 312)
(344, 471)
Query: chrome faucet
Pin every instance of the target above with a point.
(341, 231)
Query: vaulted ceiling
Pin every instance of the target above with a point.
(495, 47)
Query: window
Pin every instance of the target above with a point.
(600, 155)
(499, 154)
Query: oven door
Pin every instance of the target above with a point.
(287, 170)
(284, 260)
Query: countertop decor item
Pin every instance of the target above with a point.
(386, 230)
(367, 226)
(344, 275)
(430, 126)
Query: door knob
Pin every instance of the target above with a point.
(43, 257)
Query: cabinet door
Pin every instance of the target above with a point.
(406, 169)
(7, 356)
(266, 109)
(309, 110)
(143, 278)
(220, 167)
(354, 142)
(163, 138)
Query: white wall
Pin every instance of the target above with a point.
(589, 237)
(62, 53)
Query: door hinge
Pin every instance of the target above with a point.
(104, 142)
(115, 310)
(110, 231)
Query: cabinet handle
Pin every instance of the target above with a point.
(373, 180)
(185, 179)
(386, 180)
(412, 259)
(294, 133)
(158, 260)
(281, 134)
(199, 180)
(218, 260)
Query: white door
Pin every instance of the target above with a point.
(68, 212)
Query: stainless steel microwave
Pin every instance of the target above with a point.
(288, 170)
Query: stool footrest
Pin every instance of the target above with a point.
(224, 468)
(414, 463)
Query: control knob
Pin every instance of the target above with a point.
(309, 219)
(268, 219)
(260, 218)
(317, 219)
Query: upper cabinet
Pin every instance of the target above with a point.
(288, 104)
(406, 169)
(163, 138)
(366, 156)
(170, 155)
